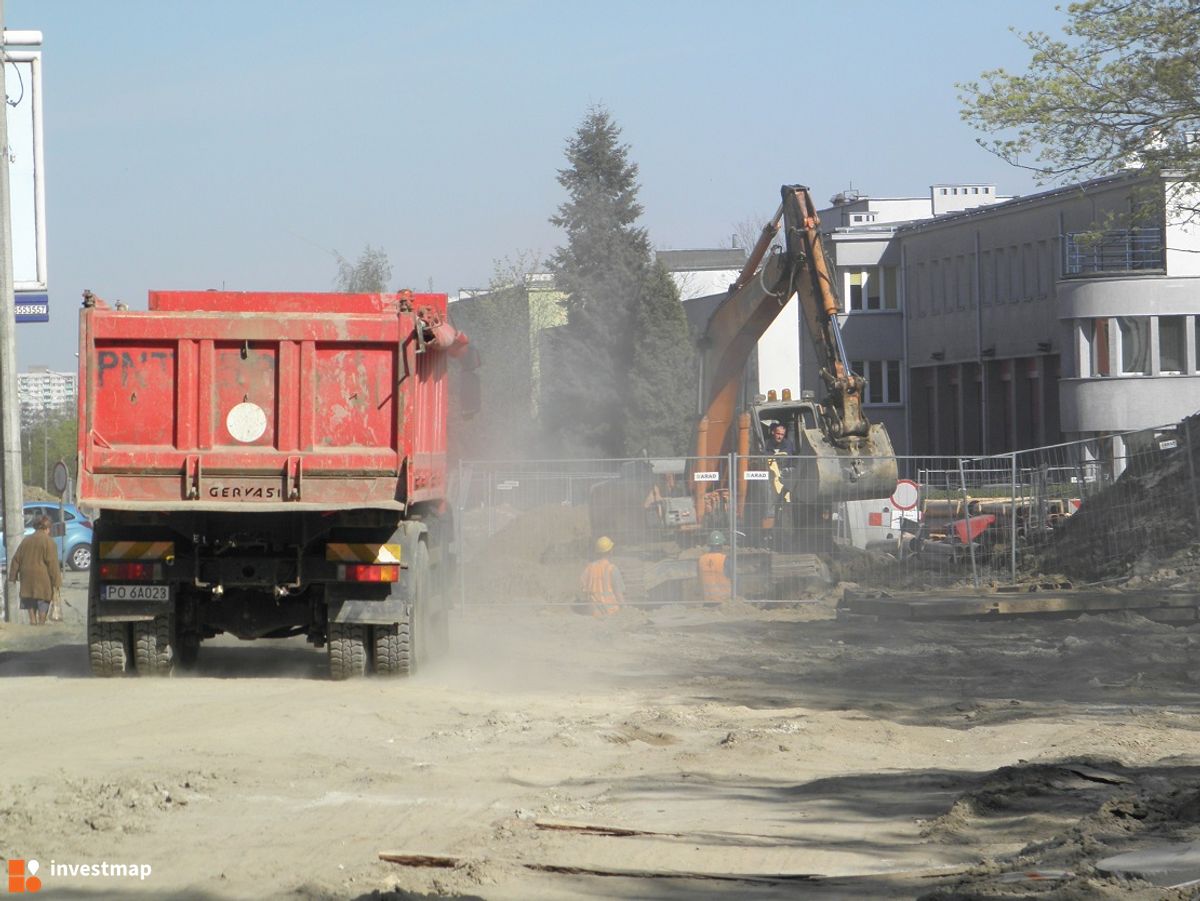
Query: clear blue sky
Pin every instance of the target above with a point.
(238, 144)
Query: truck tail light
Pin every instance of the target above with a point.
(128, 572)
(371, 572)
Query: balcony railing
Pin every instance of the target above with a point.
(1125, 250)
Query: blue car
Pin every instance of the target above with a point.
(74, 545)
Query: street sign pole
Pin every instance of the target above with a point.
(10, 407)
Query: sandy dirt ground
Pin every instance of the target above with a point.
(768, 753)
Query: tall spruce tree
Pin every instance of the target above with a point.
(662, 382)
(602, 268)
(620, 375)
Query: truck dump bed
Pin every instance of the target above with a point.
(263, 401)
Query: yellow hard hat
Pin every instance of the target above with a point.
(604, 544)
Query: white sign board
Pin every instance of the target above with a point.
(757, 475)
(706, 477)
(23, 84)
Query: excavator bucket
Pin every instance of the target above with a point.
(826, 473)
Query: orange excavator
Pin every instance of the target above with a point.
(839, 455)
(785, 504)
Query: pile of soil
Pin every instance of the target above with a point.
(535, 556)
(1141, 529)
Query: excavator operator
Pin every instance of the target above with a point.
(778, 441)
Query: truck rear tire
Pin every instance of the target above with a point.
(153, 649)
(108, 643)
(347, 651)
(400, 647)
(393, 649)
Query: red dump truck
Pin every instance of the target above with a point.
(267, 465)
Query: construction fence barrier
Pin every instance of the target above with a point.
(792, 528)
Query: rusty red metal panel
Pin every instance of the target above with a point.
(135, 382)
(355, 388)
(247, 388)
(290, 302)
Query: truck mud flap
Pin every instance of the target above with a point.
(393, 605)
(380, 612)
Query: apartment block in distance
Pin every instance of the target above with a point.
(42, 391)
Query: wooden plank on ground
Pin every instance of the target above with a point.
(442, 861)
(1177, 606)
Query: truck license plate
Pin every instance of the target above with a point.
(136, 593)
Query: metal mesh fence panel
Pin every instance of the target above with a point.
(525, 531)
(1097, 510)
(788, 528)
(935, 522)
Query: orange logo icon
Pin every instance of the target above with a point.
(22, 877)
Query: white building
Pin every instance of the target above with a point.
(703, 278)
(42, 391)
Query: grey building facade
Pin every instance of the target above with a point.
(1021, 322)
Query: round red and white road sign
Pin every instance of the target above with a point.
(907, 495)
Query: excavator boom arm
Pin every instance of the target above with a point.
(844, 438)
(754, 301)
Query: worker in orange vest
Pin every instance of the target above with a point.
(601, 581)
(713, 571)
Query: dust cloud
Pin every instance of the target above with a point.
(680, 751)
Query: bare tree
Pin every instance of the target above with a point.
(369, 274)
(748, 229)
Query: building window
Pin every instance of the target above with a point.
(1000, 277)
(892, 371)
(872, 289)
(1045, 269)
(1029, 272)
(856, 291)
(1014, 274)
(1101, 364)
(1126, 340)
(1135, 344)
(883, 380)
(1172, 344)
(891, 297)
(920, 291)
